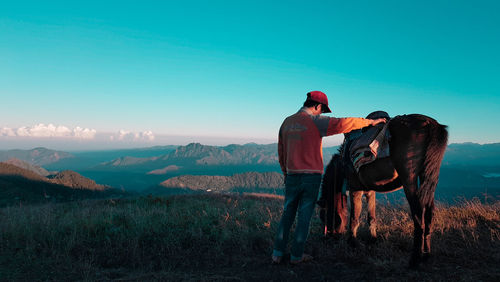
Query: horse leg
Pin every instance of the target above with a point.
(341, 214)
(372, 219)
(410, 185)
(417, 213)
(356, 206)
(330, 207)
(407, 156)
(417, 148)
(428, 180)
(429, 212)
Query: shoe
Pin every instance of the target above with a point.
(305, 258)
(276, 259)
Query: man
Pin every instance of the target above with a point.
(301, 159)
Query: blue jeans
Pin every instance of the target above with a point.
(301, 193)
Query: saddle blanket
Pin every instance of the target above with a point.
(371, 145)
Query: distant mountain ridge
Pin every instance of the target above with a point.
(232, 154)
(228, 155)
(467, 154)
(198, 154)
(37, 156)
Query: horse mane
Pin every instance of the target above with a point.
(341, 148)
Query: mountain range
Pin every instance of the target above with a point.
(198, 154)
(472, 154)
(36, 156)
(468, 169)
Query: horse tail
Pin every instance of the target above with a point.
(437, 141)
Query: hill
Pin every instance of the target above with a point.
(247, 180)
(21, 186)
(7, 170)
(36, 156)
(25, 165)
(223, 237)
(164, 170)
(74, 180)
(129, 161)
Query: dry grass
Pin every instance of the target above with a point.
(222, 237)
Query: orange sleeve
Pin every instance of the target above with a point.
(345, 125)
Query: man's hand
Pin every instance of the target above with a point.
(379, 120)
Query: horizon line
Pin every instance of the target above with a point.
(181, 145)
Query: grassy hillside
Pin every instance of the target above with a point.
(19, 186)
(249, 180)
(223, 237)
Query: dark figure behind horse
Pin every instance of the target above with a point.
(417, 144)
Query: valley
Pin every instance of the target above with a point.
(468, 170)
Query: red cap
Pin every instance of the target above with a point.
(321, 98)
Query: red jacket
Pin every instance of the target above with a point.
(300, 139)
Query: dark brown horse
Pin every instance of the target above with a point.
(417, 144)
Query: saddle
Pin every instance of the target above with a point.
(369, 144)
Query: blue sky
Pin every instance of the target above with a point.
(230, 71)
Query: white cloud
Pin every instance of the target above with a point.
(124, 135)
(84, 133)
(48, 131)
(51, 131)
(42, 130)
(6, 131)
(148, 135)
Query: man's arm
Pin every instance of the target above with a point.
(378, 121)
(345, 125)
